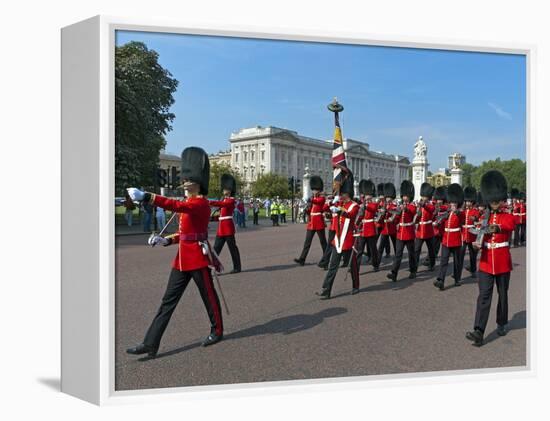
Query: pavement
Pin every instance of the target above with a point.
(278, 329)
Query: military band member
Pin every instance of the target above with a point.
(342, 244)
(193, 258)
(367, 225)
(520, 219)
(471, 216)
(316, 223)
(389, 230)
(226, 226)
(439, 201)
(331, 231)
(380, 219)
(424, 228)
(495, 263)
(451, 241)
(405, 232)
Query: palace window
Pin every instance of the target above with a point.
(252, 155)
(245, 156)
(236, 157)
(263, 155)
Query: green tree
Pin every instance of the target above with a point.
(515, 171)
(468, 170)
(271, 185)
(216, 171)
(143, 96)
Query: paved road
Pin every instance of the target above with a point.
(279, 330)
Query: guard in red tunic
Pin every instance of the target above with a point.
(520, 219)
(316, 223)
(451, 227)
(471, 216)
(331, 230)
(342, 244)
(367, 225)
(193, 259)
(226, 225)
(424, 220)
(380, 218)
(439, 201)
(495, 263)
(405, 232)
(387, 218)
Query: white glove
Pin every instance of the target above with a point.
(157, 239)
(334, 209)
(135, 194)
(336, 199)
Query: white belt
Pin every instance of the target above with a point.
(468, 226)
(496, 245)
(368, 220)
(221, 218)
(425, 222)
(315, 213)
(519, 214)
(406, 224)
(452, 229)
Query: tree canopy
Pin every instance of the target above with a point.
(143, 96)
(515, 171)
(271, 185)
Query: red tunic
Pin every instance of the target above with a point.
(380, 222)
(369, 223)
(405, 225)
(316, 219)
(451, 227)
(425, 228)
(495, 252)
(194, 218)
(226, 226)
(470, 218)
(520, 213)
(389, 227)
(438, 232)
(334, 216)
(346, 218)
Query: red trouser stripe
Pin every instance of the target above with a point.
(213, 302)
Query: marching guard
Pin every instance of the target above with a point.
(520, 219)
(342, 244)
(439, 202)
(389, 230)
(405, 232)
(495, 263)
(471, 216)
(331, 231)
(226, 225)
(450, 224)
(367, 220)
(194, 257)
(424, 220)
(316, 223)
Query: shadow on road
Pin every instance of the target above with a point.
(288, 324)
(519, 321)
(172, 352)
(53, 383)
(276, 267)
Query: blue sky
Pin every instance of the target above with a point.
(472, 103)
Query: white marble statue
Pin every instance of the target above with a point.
(420, 149)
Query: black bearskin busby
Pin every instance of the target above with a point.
(426, 190)
(347, 185)
(494, 187)
(407, 189)
(389, 190)
(380, 189)
(479, 199)
(440, 193)
(195, 167)
(367, 188)
(228, 182)
(316, 183)
(455, 194)
(470, 194)
(514, 193)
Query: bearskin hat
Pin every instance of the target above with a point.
(347, 185)
(316, 183)
(514, 193)
(494, 187)
(380, 189)
(195, 167)
(455, 194)
(470, 194)
(228, 182)
(367, 188)
(407, 189)
(440, 193)
(522, 195)
(389, 190)
(426, 190)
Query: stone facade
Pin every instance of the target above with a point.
(221, 158)
(261, 150)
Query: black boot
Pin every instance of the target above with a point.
(476, 336)
(438, 283)
(354, 291)
(392, 276)
(324, 294)
(412, 275)
(235, 271)
(143, 349)
(300, 261)
(212, 339)
(501, 330)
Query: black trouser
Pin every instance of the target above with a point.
(437, 245)
(385, 244)
(473, 256)
(457, 262)
(283, 218)
(400, 246)
(429, 244)
(255, 218)
(519, 234)
(486, 282)
(275, 219)
(177, 282)
(309, 238)
(328, 250)
(233, 249)
(372, 251)
(335, 258)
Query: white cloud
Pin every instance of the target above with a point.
(499, 111)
